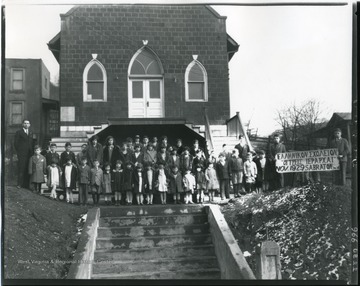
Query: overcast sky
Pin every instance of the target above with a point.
(287, 54)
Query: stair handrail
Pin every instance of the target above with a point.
(208, 135)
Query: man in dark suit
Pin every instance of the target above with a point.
(23, 144)
(344, 151)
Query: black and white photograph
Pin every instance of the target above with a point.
(160, 142)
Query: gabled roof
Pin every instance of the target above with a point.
(232, 47)
(54, 46)
(337, 120)
(54, 43)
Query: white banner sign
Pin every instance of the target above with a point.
(307, 161)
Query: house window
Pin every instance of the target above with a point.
(17, 79)
(196, 82)
(94, 82)
(45, 82)
(16, 112)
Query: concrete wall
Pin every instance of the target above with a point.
(231, 260)
(115, 33)
(82, 262)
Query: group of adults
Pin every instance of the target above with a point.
(23, 143)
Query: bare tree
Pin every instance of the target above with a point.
(298, 121)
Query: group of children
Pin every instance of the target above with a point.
(144, 169)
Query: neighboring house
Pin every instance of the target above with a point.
(340, 120)
(28, 96)
(148, 66)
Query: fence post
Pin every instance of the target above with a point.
(268, 261)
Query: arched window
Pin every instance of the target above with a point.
(146, 90)
(196, 82)
(94, 82)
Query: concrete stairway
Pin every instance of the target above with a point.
(154, 242)
(76, 143)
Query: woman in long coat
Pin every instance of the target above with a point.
(111, 152)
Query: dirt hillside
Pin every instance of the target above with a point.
(311, 224)
(40, 235)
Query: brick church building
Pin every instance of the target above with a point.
(143, 69)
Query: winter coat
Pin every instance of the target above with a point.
(185, 163)
(162, 158)
(94, 153)
(173, 162)
(73, 177)
(79, 157)
(212, 182)
(250, 171)
(37, 169)
(175, 183)
(200, 180)
(343, 147)
(97, 178)
(197, 161)
(125, 157)
(116, 180)
(65, 156)
(127, 180)
(84, 174)
(139, 159)
(223, 171)
(276, 148)
(150, 156)
(115, 155)
(189, 183)
(52, 158)
(243, 150)
(263, 174)
(236, 165)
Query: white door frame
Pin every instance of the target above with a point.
(146, 96)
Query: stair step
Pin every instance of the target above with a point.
(184, 219)
(205, 274)
(150, 253)
(150, 210)
(70, 139)
(157, 230)
(182, 264)
(152, 241)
